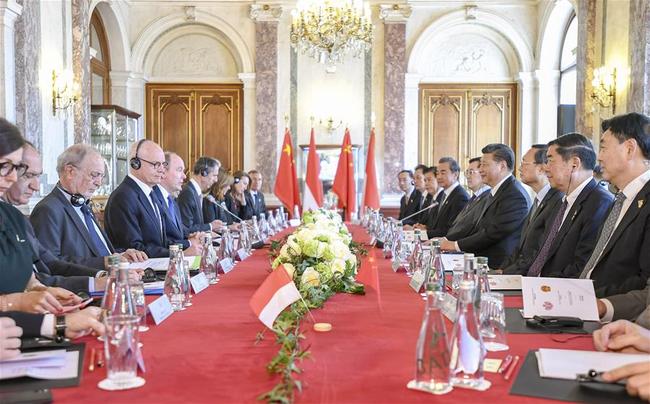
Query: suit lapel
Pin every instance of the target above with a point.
(573, 213)
(145, 201)
(74, 217)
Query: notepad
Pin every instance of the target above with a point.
(161, 264)
(64, 367)
(566, 363)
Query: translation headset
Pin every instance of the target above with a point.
(237, 179)
(77, 200)
(202, 167)
(135, 161)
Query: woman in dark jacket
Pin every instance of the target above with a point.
(236, 200)
(211, 210)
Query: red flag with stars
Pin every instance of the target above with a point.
(344, 186)
(286, 181)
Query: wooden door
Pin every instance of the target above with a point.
(457, 120)
(196, 120)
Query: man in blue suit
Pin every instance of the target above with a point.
(64, 221)
(190, 200)
(166, 192)
(132, 217)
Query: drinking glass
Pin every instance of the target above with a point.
(121, 348)
(137, 293)
(493, 322)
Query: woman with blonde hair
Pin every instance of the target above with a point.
(217, 195)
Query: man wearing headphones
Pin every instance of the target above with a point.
(410, 202)
(132, 217)
(190, 200)
(64, 222)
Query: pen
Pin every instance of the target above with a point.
(100, 359)
(505, 364)
(91, 366)
(512, 367)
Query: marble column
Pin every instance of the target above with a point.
(9, 12)
(547, 86)
(585, 64)
(249, 118)
(395, 63)
(81, 68)
(639, 34)
(266, 89)
(28, 93)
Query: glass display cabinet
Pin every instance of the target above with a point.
(112, 130)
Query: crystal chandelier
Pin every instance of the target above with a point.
(327, 30)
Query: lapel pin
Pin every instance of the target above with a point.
(640, 203)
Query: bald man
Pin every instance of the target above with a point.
(132, 217)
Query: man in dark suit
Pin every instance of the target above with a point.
(190, 200)
(498, 229)
(547, 201)
(453, 200)
(571, 237)
(620, 261)
(468, 217)
(64, 221)
(255, 192)
(410, 202)
(166, 193)
(77, 324)
(433, 194)
(132, 216)
(632, 306)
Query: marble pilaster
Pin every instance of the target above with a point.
(249, 117)
(266, 89)
(639, 34)
(81, 68)
(585, 64)
(28, 93)
(9, 12)
(395, 63)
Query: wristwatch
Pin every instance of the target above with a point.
(60, 329)
(101, 274)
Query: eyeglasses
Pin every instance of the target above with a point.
(7, 167)
(470, 171)
(157, 164)
(31, 175)
(95, 175)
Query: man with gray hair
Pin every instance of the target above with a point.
(190, 200)
(64, 222)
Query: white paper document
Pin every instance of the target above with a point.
(559, 297)
(161, 264)
(154, 285)
(566, 363)
(504, 282)
(42, 368)
(450, 260)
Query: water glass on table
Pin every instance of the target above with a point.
(138, 296)
(493, 322)
(121, 351)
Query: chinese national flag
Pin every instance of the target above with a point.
(312, 198)
(370, 190)
(344, 186)
(286, 181)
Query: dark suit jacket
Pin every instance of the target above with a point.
(245, 212)
(535, 226)
(407, 208)
(213, 211)
(624, 264)
(189, 204)
(174, 229)
(131, 221)
(259, 204)
(62, 232)
(497, 232)
(447, 212)
(428, 215)
(468, 217)
(577, 236)
(630, 305)
(29, 322)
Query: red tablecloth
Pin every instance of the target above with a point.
(207, 353)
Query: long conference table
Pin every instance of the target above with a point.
(208, 353)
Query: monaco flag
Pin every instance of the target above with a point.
(370, 191)
(312, 198)
(286, 181)
(344, 186)
(274, 294)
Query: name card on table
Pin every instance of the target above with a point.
(242, 254)
(294, 222)
(160, 309)
(199, 282)
(409, 235)
(504, 282)
(227, 265)
(417, 280)
(449, 307)
(451, 260)
(396, 265)
(559, 297)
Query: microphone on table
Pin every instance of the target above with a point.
(222, 205)
(433, 204)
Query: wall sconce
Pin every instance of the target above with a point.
(64, 91)
(329, 124)
(604, 87)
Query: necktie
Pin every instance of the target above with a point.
(605, 234)
(536, 268)
(171, 208)
(533, 210)
(94, 236)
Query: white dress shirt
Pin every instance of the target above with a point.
(147, 192)
(571, 198)
(498, 185)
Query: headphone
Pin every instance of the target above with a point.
(135, 162)
(202, 166)
(77, 200)
(237, 179)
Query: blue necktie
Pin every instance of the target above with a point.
(94, 236)
(172, 209)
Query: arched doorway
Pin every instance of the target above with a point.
(100, 62)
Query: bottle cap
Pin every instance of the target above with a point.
(468, 255)
(322, 327)
(482, 260)
(173, 247)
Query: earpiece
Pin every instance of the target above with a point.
(135, 162)
(412, 182)
(204, 172)
(237, 179)
(78, 200)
